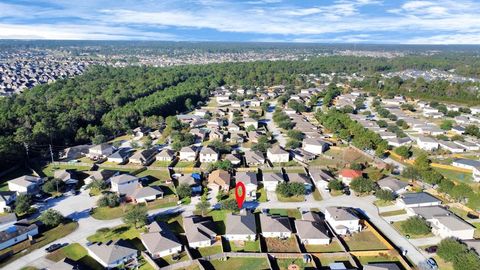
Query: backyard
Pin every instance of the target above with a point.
(240, 263)
(282, 245)
(334, 246)
(285, 262)
(364, 240)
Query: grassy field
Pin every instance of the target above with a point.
(155, 177)
(261, 195)
(334, 246)
(207, 251)
(382, 203)
(364, 260)
(168, 260)
(41, 240)
(245, 246)
(364, 240)
(460, 177)
(393, 213)
(398, 226)
(160, 163)
(241, 263)
(284, 263)
(174, 222)
(219, 217)
(185, 164)
(282, 246)
(292, 213)
(73, 251)
(107, 213)
(124, 232)
(300, 198)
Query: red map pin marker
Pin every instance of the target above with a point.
(240, 194)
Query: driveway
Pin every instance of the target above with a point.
(426, 241)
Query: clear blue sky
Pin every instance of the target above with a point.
(321, 21)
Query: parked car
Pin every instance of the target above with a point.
(432, 263)
(54, 247)
(431, 249)
(346, 191)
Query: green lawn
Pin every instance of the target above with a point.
(459, 212)
(185, 164)
(261, 195)
(300, 198)
(219, 217)
(364, 260)
(155, 177)
(291, 163)
(241, 263)
(174, 222)
(124, 232)
(107, 213)
(382, 203)
(50, 169)
(364, 240)
(334, 246)
(326, 259)
(73, 251)
(456, 176)
(393, 213)
(159, 163)
(477, 231)
(398, 226)
(316, 195)
(168, 260)
(246, 246)
(207, 251)
(284, 263)
(41, 240)
(292, 213)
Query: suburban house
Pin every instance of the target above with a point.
(470, 146)
(187, 153)
(240, 227)
(443, 222)
(381, 266)
(103, 176)
(312, 232)
(16, 233)
(271, 180)
(272, 226)
(302, 179)
(145, 194)
(7, 198)
(165, 155)
(427, 143)
(139, 132)
(315, 146)
(120, 156)
(207, 154)
(463, 163)
(124, 184)
(190, 181)
(397, 142)
(160, 241)
(302, 155)
(25, 184)
(394, 185)
(143, 157)
(250, 181)
(476, 174)
(250, 122)
(220, 178)
(64, 264)
(451, 146)
(320, 178)
(7, 221)
(234, 159)
(276, 154)
(233, 128)
(417, 200)
(342, 220)
(199, 231)
(347, 175)
(66, 176)
(113, 254)
(100, 151)
(216, 135)
(254, 158)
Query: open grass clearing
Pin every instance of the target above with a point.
(398, 226)
(283, 263)
(364, 240)
(334, 246)
(240, 263)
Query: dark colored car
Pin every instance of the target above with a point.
(431, 249)
(346, 191)
(54, 247)
(432, 263)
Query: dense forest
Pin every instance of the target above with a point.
(106, 101)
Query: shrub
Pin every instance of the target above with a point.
(290, 189)
(335, 185)
(415, 225)
(109, 200)
(362, 185)
(184, 191)
(385, 195)
(51, 218)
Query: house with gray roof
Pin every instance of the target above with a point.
(160, 241)
(320, 177)
(124, 184)
(7, 198)
(271, 180)
(102, 175)
(451, 226)
(277, 154)
(143, 157)
(113, 254)
(394, 185)
(26, 184)
(199, 231)
(66, 176)
(275, 227)
(146, 194)
(302, 179)
(342, 220)
(254, 158)
(240, 227)
(464, 163)
(417, 200)
(16, 233)
(250, 181)
(312, 232)
(165, 155)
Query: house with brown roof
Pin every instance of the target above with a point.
(199, 231)
(220, 178)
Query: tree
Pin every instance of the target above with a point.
(54, 185)
(356, 166)
(385, 195)
(136, 216)
(416, 226)
(109, 200)
(335, 184)
(51, 218)
(293, 144)
(422, 162)
(290, 189)
(203, 206)
(229, 204)
(450, 249)
(403, 151)
(411, 173)
(184, 191)
(446, 124)
(467, 261)
(362, 185)
(22, 204)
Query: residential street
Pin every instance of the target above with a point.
(89, 225)
(277, 134)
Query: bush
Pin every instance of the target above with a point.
(290, 189)
(450, 249)
(385, 195)
(356, 166)
(51, 218)
(415, 225)
(22, 204)
(109, 200)
(229, 204)
(53, 186)
(136, 216)
(184, 191)
(403, 151)
(362, 185)
(335, 185)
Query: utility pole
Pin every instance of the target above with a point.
(51, 152)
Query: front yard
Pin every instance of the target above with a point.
(300, 198)
(398, 226)
(291, 213)
(285, 262)
(364, 240)
(124, 232)
(393, 213)
(244, 246)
